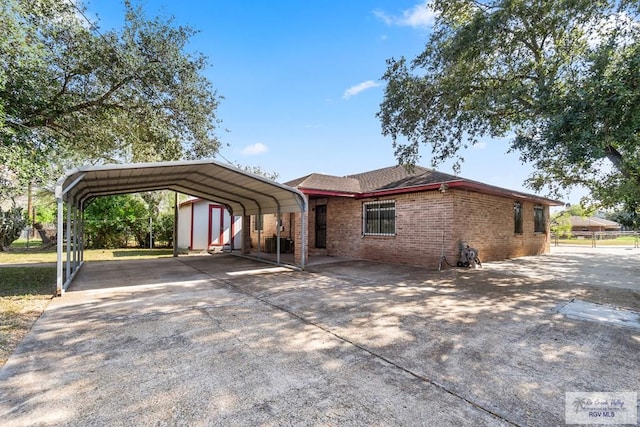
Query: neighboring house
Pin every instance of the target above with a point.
(207, 226)
(390, 215)
(591, 224)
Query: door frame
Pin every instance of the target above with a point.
(221, 238)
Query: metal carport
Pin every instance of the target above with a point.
(243, 193)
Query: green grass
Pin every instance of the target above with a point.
(119, 254)
(587, 241)
(33, 243)
(27, 286)
(29, 280)
(24, 294)
(19, 254)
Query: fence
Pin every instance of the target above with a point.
(599, 238)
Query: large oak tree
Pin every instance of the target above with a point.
(70, 92)
(560, 78)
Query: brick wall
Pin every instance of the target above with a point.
(270, 228)
(487, 224)
(420, 222)
(430, 224)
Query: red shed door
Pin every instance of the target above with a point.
(220, 226)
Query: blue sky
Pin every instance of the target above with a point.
(301, 82)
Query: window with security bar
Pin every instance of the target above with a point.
(539, 220)
(379, 218)
(517, 217)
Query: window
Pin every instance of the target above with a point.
(379, 218)
(517, 218)
(257, 222)
(538, 219)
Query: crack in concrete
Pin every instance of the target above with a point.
(371, 352)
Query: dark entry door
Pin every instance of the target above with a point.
(321, 226)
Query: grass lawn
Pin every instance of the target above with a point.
(24, 294)
(587, 241)
(27, 286)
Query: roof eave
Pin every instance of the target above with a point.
(462, 185)
(498, 191)
(326, 193)
(403, 190)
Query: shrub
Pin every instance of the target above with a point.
(12, 222)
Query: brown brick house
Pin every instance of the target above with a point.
(592, 224)
(391, 215)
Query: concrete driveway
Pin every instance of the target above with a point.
(222, 340)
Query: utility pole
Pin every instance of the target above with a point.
(150, 232)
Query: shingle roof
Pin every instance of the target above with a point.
(389, 178)
(317, 181)
(397, 179)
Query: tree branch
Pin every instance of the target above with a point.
(99, 101)
(615, 157)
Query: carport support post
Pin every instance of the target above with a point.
(75, 236)
(69, 242)
(81, 234)
(300, 243)
(246, 233)
(305, 237)
(60, 276)
(278, 227)
(259, 218)
(175, 223)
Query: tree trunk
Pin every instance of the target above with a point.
(48, 239)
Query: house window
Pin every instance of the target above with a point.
(517, 218)
(379, 218)
(538, 219)
(257, 222)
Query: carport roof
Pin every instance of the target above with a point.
(244, 192)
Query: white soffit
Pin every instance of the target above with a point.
(244, 192)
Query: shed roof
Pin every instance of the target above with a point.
(578, 221)
(244, 192)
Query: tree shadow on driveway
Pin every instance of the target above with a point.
(224, 340)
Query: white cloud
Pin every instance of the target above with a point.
(419, 16)
(381, 15)
(481, 145)
(354, 90)
(257, 148)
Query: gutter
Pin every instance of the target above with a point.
(461, 184)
